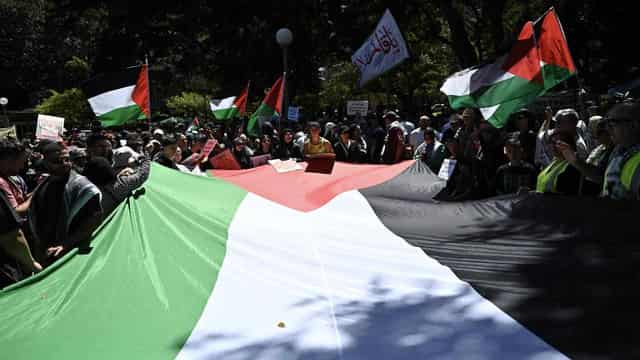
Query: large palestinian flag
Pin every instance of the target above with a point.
(539, 60)
(359, 264)
(120, 98)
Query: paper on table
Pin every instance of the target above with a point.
(285, 166)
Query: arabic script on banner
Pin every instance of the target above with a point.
(384, 49)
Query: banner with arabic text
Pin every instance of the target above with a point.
(383, 50)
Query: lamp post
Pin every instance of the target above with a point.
(284, 38)
(3, 102)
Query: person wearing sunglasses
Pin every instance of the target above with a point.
(621, 177)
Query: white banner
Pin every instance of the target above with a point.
(293, 113)
(49, 127)
(355, 107)
(8, 132)
(384, 49)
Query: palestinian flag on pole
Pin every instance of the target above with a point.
(359, 264)
(120, 98)
(539, 60)
(271, 105)
(230, 107)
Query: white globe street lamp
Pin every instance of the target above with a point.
(3, 102)
(284, 38)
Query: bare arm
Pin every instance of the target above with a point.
(585, 169)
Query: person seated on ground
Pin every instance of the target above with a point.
(621, 178)
(358, 144)
(316, 144)
(115, 188)
(431, 151)
(166, 157)
(559, 177)
(343, 146)
(287, 148)
(65, 208)
(265, 147)
(241, 153)
(516, 175)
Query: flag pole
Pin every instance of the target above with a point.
(543, 15)
(146, 63)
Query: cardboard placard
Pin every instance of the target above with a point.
(359, 107)
(49, 127)
(208, 147)
(225, 161)
(447, 168)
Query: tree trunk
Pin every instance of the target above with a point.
(462, 47)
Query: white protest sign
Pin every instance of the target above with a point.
(8, 132)
(293, 113)
(384, 49)
(49, 127)
(447, 168)
(357, 107)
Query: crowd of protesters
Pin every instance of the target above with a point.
(54, 194)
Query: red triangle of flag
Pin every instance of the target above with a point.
(524, 59)
(275, 96)
(140, 93)
(241, 100)
(553, 45)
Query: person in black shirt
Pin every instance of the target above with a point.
(166, 157)
(516, 175)
(287, 148)
(342, 147)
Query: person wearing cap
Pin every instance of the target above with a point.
(78, 158)
(158, 134)
(316, 144)
(559, 177)
(431, 151)
(517, 174)
(450, 128)
(343, 147)
(621, 178)
(599, 157)
(65, 208)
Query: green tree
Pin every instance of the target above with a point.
(70, 104)
(189, 105)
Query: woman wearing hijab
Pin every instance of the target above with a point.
(287, 148)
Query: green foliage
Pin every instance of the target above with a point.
(70, 104)
(189, 105)
(77, 69)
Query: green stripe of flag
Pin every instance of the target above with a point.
(142, 289)
(263, 110)
(122, 116)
